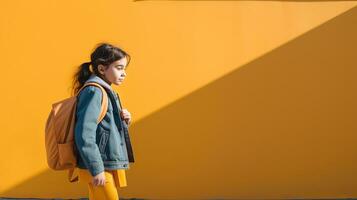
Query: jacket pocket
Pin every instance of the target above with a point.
(103, 140)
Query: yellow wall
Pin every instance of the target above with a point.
(230, 99)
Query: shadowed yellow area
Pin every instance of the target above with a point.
(230, 99)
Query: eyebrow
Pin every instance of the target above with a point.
(119, 65)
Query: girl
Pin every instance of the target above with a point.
(102, 148)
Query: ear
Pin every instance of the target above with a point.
(101, 69)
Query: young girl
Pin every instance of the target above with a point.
(102, 148)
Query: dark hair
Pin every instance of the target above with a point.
(104, 54)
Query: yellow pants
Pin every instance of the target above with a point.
(113, 180)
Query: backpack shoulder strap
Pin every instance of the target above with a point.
(104, 106)
(70, 175)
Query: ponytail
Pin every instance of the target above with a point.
(81, 76)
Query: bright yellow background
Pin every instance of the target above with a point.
(230, 99)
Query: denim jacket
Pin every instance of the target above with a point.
(100, 146)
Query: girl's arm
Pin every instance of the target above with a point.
(88, 110)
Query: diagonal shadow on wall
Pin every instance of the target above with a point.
(278, 127)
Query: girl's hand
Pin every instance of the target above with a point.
(125, 114)
(99, 179)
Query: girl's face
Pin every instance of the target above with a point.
(115, 72)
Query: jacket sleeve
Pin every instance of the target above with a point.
(87, 112)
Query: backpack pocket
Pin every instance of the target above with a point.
(67, 156)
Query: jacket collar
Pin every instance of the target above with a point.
(97, 79)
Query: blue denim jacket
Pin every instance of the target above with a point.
(99, 146)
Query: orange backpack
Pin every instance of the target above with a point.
(59, 132)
